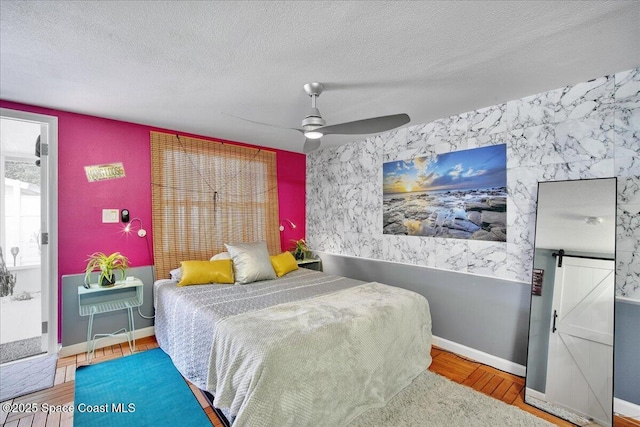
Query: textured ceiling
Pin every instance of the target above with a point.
(181, 65)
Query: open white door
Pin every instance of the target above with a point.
(581, 339)
(28, 234)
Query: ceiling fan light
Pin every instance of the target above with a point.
(313, 134)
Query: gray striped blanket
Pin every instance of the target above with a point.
(307, 349)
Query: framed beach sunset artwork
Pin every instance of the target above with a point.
(457, 195)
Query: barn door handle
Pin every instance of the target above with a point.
(555, 316)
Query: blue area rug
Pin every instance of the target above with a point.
(143, 389)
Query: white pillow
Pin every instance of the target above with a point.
(251, 262)
(176, 274)
(221, 255)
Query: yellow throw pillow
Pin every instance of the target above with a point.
(203, 272)
(283, 263)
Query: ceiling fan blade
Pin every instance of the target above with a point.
(372, 125)
(261, 123)
(310, 145)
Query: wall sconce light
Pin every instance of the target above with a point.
(141, 231)
(291, 224)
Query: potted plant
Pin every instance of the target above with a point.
(300, 249)
(107, 265)
(7, 279)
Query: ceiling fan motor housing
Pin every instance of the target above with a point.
(313, 120)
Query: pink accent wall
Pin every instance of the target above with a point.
(292, 169)
(87, 140)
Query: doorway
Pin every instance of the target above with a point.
(28, 264)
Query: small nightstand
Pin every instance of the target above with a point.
(125, 294)
(310, 263)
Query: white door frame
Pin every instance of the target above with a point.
(49, 265)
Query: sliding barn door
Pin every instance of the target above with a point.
(580, 364)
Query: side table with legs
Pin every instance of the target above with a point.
(125, 294)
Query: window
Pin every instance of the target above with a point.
(20, 193)
(22, 212)
(207, 193)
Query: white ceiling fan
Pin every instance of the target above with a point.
(314, 126)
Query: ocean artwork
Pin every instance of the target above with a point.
(456, 195)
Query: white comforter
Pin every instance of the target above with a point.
(321, 361)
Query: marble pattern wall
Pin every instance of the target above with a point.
(587, 130)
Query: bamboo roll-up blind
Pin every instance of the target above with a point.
(206, 194)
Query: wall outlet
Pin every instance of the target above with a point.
(110, 216)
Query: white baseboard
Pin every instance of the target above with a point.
(81, 347)
(626, 409)
(480, 356)
(620, 407)
(535, 394)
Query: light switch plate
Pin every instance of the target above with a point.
(110, 216)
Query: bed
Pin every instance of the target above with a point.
(305, 349)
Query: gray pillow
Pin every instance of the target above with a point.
(251, 262)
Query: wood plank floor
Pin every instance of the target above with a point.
(497, 384)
